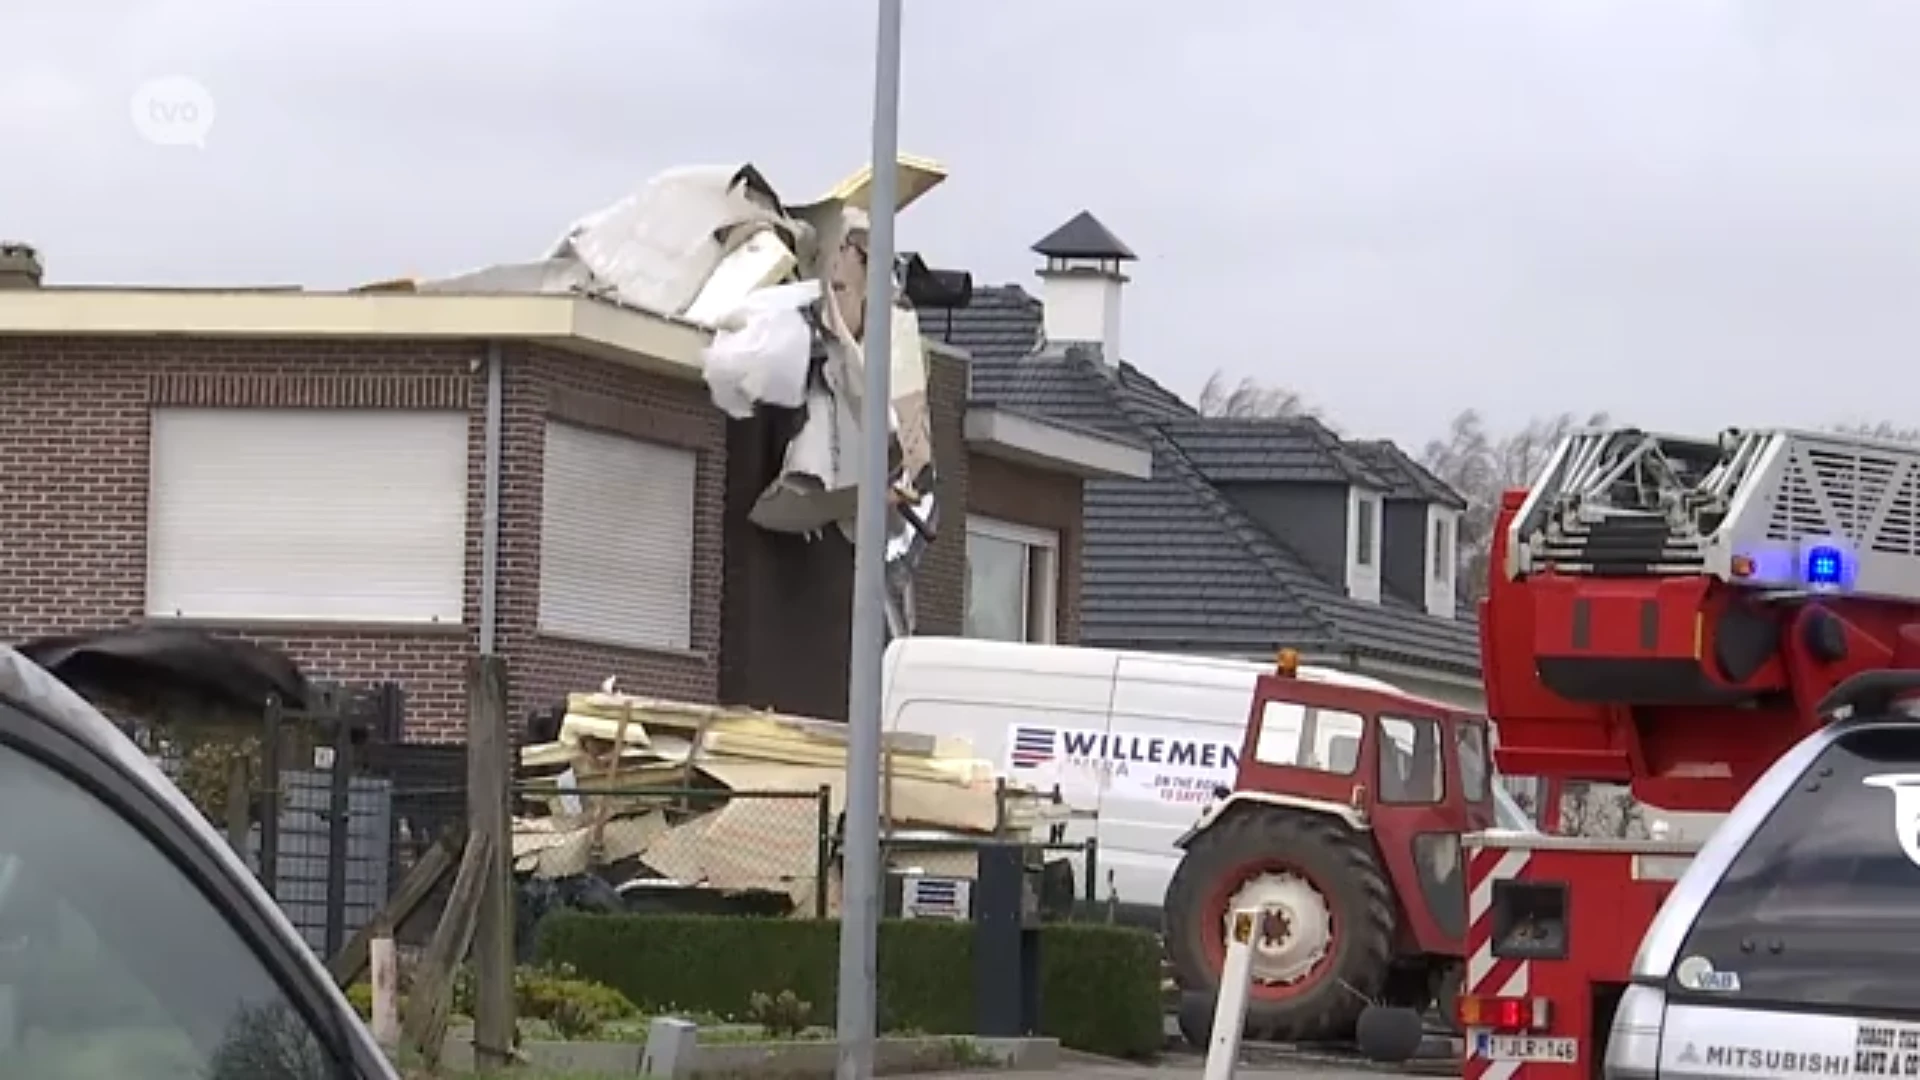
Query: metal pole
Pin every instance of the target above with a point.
(860, 865)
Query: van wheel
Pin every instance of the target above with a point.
(1328, 950)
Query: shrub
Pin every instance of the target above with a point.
(781, 1016)
(575, 1007)
(1100, 985)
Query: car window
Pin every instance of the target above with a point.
(1411, 770)
(114, 964)
(1470, 744)
(1822, 907)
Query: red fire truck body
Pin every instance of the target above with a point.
(1662, 613)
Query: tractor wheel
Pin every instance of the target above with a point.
(1331, 953)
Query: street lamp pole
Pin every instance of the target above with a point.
(860, 867)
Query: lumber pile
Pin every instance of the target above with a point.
(662, 795)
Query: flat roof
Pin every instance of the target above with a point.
(577, 324)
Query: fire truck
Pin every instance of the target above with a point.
(1663, 613)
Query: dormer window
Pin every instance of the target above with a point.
(1443, 561)
(1363, 544)
(1366, 532)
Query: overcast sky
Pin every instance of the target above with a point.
(1693, 213)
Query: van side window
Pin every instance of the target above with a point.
(1411, 769)
(1822, 907)
(1305, 737)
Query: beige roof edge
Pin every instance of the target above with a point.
(575, 324)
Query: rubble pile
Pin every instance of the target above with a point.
(659, 798)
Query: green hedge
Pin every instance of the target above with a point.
(1099, 990)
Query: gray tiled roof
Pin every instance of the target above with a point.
(1297, 449)
(1170, 563)
(1001, 323)
(1408, 479)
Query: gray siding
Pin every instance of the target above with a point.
(1309, 518)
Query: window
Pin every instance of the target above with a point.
(1411, 769)
(100, 986)
(341, 515)
(1470, 746)
(1365, 531)
(1442, 549)
(616, 540)
(1012, 581)
(1304, 737)
(1828, 888)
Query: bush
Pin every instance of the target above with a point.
(575, 1007)
(1100, 985)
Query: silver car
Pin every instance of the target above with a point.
(133, 943)
(1791, 946)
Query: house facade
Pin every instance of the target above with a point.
(1250, 534)
(386, 484)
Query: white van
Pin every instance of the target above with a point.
(1140, 739)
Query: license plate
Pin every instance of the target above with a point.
(1526, 1048)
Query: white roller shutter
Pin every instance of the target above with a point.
(307, 514)
(616, 540)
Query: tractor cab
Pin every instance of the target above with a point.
(1345, 820)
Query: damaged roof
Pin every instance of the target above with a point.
(1171, 563)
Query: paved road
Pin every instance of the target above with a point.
(1257, 1063)
(1187, 1070)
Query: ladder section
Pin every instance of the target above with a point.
(1624, 502)
(1773, 509)
(1829, 511)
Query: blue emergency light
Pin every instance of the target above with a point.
(1825, 566)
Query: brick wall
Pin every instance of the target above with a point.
(602, 395)
(73, 497)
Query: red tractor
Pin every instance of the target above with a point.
(1345, 820)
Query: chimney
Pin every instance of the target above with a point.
(19, 266)
(1081, 284)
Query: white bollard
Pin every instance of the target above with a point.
(385, 965)
(1230, 1004)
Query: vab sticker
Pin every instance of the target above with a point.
(1696, 973)
(1906, 809)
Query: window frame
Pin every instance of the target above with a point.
(1293, 760)
(1441, 547)
(555, 620)
(1042, 619)
(1366, 531)
(168, 594)
(1485, 764)
(1382, 758)
(185, 847)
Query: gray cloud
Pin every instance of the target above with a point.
(1690, 212)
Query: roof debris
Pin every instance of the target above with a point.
(783, 287)
(625, 794)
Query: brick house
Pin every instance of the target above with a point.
(386, 483)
